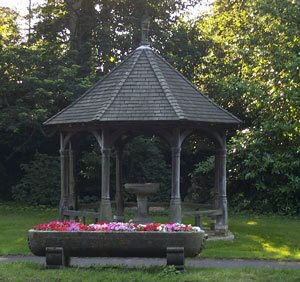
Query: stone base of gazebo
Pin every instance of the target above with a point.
(212, 236)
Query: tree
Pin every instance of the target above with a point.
(253, 71)
(9, 30)
(73, 44)
(34, 83)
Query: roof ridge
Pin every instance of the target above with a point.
(117, 90)
(165, 87)
(88, 91)
(198, 90)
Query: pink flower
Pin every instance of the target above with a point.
(116, 226)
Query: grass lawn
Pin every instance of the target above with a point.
(15, 220)
(25, 271)
(257, 237)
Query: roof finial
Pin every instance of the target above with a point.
(145, 23)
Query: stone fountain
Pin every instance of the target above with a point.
(142, 190)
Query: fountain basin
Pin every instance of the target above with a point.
(142, 188)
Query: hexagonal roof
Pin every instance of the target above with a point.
(144, 87)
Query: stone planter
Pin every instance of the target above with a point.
(114, 244)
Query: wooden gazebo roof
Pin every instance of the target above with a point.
(144, 87)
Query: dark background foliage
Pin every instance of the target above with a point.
(245, 55)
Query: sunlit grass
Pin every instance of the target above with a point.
(271, 237)
(251, 223)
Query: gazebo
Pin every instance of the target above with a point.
(143, 94)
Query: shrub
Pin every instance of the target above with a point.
(41, 181)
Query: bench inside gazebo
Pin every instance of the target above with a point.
(143, 95)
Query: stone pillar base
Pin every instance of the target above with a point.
(175, 210)
(212, 223)
(105, 211)
(221, 231)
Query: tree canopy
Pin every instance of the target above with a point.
(252, 70)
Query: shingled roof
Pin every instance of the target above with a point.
(144, 87)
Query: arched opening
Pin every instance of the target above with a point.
(197, 173)
(144, 160)
(88, 171)
(141, 157)
(80, 175)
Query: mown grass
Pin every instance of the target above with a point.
(257, 237)
(15, 221)
(27, 271)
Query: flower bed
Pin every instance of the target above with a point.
(116, 226)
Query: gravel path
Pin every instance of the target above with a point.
(218, 263)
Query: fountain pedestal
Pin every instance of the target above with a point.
(142, 190)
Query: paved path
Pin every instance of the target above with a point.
(219, 263)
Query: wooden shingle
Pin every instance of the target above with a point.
(144, 87)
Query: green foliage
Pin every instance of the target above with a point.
(35, 82)
(9, 30)
(204, 167)
(72, 45)
(40, 183)
(88, 171)
(144, 161)
(196, 186)
(104, 31)
(244, 55)
(33, 87)
(272, 171)
(185, 48)
(252, 69)
(203, 181)
(170, 270)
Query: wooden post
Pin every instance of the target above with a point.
(64, 178)
(175, 203)
(119, 188)
(105, 208)
(175, 139)
(72, 192)
(216, 191)
(221, 226)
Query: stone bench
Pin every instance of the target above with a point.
(59, 246)
(75, 215)
(198, 215)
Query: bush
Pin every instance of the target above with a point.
(263, 170)
(40, 184)
(202, 178)
(143, 161)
